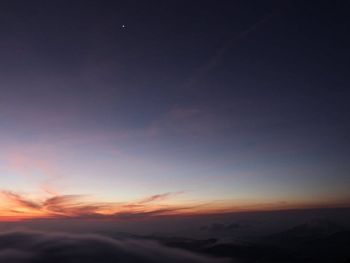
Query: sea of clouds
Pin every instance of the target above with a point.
(39, 247)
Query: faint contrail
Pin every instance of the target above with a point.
(215, 60)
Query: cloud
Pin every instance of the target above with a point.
(74, 206)
(19, 200)
(36, 247)
(159, 197)
(64, 205)
(70, 205)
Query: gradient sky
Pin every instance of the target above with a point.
(157, 107)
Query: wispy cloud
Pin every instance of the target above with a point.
(76, 206)
(159, 197)
(20, 201)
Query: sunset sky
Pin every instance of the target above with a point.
(133, 109)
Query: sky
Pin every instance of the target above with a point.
(130, 109)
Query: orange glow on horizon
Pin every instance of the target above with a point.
(16, 208)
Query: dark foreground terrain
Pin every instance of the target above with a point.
(320, 241)
(315, 241)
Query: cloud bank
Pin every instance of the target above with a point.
(36, 247)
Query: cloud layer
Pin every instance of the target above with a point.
(35, 247)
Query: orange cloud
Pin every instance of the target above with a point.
(74, 206)
(20, 201)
